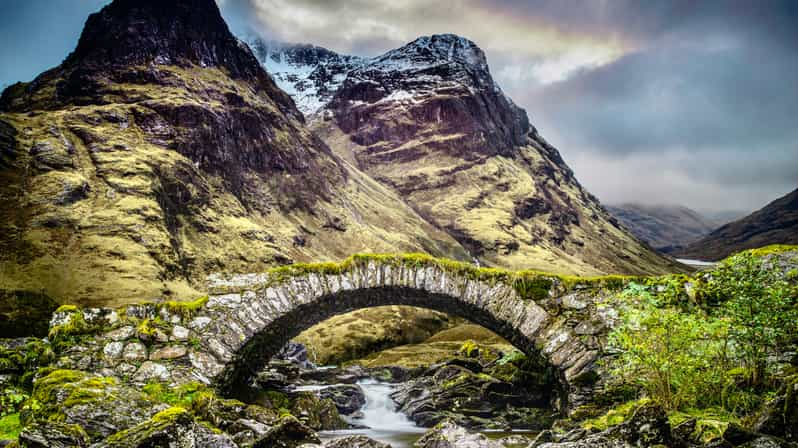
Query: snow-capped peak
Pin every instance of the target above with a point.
(313, 75)
(433, 50)
(310, 74)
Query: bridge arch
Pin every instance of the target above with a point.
(250, 318)
(225, 338)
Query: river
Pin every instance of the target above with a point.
(384, 423)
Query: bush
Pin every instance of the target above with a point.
(679, 358)
(712, 352)
(760, 303)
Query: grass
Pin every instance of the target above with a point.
(773, 249)
(710, 423)
(185, 309)
(10, 427)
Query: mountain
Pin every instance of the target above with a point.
(428, 121)
(776, 223)
(160, 151)
(664, 227)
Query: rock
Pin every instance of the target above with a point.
(49, 434)
(287, 433)
(767, 442)
(113, 350)
(543, 437)
(685, 432)
(246, 431)
(180, 333)
(737, 435)
(475, 401)
(648, 426)
(319, 414)
(121, 333)
(295, 353)
(780, 416)
(134, 351)
(199, 323)
(234, 416)
(278, 374)
(169, 352)
(151, 371)
(347, 398)
(355, 442)
(515, 440)
(174, 427)
(449, 435)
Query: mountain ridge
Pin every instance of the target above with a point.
(664, 227)
(775, 223)
(428, 120)
(133, 178)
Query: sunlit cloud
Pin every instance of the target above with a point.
(548, 52)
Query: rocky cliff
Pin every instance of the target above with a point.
(160, 151)
(776, 223)
(428, 121)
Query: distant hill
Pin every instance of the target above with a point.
(663, 226)
(776, 223)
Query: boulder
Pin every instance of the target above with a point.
(287, 433)
(447, 434)
(174, 427)
(779, 417)
(767, 442)
(53, 435)
(355, 442)
(473, 400)
(319, 414)
(348, 398)
(648, 426)
(297, 354)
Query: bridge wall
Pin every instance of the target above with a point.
(228, 338)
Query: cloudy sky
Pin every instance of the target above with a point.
(683, 101)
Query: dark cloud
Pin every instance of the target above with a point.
(704, 113)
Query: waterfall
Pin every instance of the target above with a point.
(379, 412)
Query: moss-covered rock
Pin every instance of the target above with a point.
(317, 413)
(99, 405)
(170, 427)
(53, 434)
(287, 433)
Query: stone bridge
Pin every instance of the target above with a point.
(226, 338)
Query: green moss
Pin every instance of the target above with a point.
(131, 436)
(773, 249)
(529, 284)
(470, 349)
(614, 416)
(183, 395)
(710, 423)
(76, 325)
(146, 328)
(184, 309)
(10, 427)
(169, 415)
(66, 309)
(278, 399)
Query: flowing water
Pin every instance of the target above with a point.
(384, 423)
